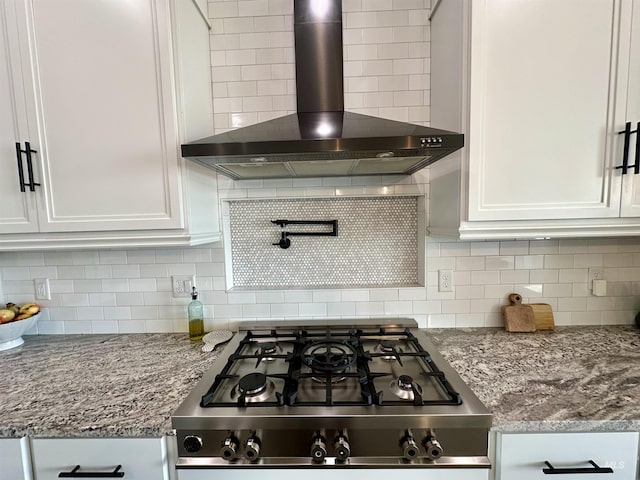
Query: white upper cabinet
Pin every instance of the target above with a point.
(17, 209)
(631, 184)
(543, 89)
(100, 87)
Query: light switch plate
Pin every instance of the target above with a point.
(42, 290)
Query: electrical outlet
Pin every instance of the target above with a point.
(42, 290)
(181, 285)
(595, 273)
(445, 280)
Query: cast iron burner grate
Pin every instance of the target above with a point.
(329, 358)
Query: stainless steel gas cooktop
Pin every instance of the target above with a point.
(341, 394)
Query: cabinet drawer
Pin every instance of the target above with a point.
(11, 461)
(141, 458)
(523, 456)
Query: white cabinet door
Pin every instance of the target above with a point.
(631, 182)
(547, 92)
(102, 113)
(14, 460)
(523, 456)
(139, 459)
(17, 208)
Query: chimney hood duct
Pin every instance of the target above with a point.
(321, 139)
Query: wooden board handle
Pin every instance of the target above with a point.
(515, 299)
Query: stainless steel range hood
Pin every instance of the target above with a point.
(321, 139)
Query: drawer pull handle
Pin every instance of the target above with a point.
(561, 471)
(76, 474)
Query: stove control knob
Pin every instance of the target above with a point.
(252, 449)
(433, 448)
(410, 448)
(342, 448)
(192, 443)
(229, 448)
(318, 449)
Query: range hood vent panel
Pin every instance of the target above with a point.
(321, 131)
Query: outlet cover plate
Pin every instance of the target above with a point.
(445, 280)
(181, 285)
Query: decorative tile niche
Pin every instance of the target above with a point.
(380, 243)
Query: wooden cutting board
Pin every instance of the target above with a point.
(518, 317)
(543, 316)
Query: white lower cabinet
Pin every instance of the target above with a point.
(14, 458)
(525, 456)
(138, 458)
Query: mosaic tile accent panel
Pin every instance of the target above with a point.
(377, 243)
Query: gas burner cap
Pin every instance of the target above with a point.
(268, 348)
(404, 387)
(253, 387)
(389, 350)
(405, 382)
(327, 356)
(387, 346)
(252, 384)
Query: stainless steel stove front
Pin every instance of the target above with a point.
(395, 436)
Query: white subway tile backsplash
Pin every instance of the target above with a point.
(256, 310)
(312, 309)
(373, 308)
(90, 313)
(270, 297)
(102, 299)
(279, 310)
(485, 277)
(84, 305)
(378, 36)
(360, 52)
(74, 299)
(115, 285)
(359, 19)
(575, 275)
(298, 296)
(514, 276)
(341, 309)
(58, 258)
(87, 286)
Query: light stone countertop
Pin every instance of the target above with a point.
(574, 378)
(569, 379)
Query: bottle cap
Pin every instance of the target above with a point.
(194, 293)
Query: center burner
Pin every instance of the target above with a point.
(329, 359)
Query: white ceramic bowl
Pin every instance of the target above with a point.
(11, 333)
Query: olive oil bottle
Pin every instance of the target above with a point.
(195, 313)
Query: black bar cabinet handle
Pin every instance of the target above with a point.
(29, 151)
(595, 468)
(637, 164)
(625, 154)
(20, 170)
(76, 474)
